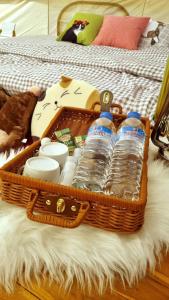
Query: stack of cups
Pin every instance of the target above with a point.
(48, 165)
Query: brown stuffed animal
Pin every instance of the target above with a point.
(154, 34)
(3, 97)
(15, 116)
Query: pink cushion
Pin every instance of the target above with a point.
(121, 32)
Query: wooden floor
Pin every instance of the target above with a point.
(154, 287)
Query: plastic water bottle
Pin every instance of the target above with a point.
(91, 165)
(68, 171)
(125, 167)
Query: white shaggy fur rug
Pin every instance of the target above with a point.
(90, 255)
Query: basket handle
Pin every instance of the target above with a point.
(54, 219)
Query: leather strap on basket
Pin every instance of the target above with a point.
(112, 106)
(54, 219)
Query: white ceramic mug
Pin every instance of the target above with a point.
(43, 168)
(55, 150)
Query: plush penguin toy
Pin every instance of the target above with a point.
(68, 92)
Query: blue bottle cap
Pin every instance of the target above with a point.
(134, 114)
(107, 115)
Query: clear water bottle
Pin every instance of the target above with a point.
(68, 171)
(90, 170)
(125, 168)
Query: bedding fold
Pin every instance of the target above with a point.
(133, 76)
(148, 62)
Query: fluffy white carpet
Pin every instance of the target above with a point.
(91, 255)
(6, 156)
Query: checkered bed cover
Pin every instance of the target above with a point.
(134, 77)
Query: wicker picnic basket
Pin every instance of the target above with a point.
(67, 206)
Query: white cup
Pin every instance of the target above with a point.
(43, 168)
(55, 150)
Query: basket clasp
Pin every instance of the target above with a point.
(60, 205)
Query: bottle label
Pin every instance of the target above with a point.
(99, 132)
(131, 133)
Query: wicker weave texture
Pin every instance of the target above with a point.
(98, 210)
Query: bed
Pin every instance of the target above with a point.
(134, 76)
